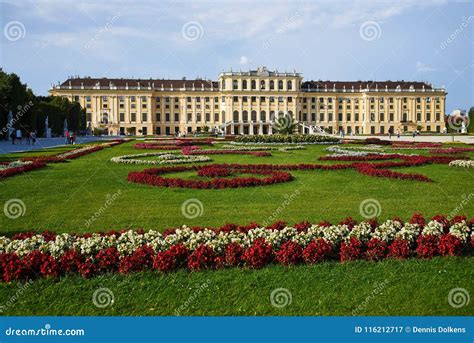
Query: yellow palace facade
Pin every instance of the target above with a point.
(248, 103)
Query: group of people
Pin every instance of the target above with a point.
(17, 135)
(70, 137)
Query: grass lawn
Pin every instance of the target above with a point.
(62, 197)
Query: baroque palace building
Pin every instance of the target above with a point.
(248, 102)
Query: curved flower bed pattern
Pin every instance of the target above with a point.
(153, 176)
(163, 158)
(194, 150)
(30, 255)
(18, 167)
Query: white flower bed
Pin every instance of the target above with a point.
(14, 164)
(260, 148)
(127, 242)
(163, 158)
(462, 163)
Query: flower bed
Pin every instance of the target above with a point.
(153, 176)
(246, 147)
(19, 167)
(163, 158)
(451, 150)
(156, 146)
(194, 150)
(462, 163)
(30, 255)
(295, 138)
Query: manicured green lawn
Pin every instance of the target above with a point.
(62, 197)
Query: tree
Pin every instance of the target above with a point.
(284, 124)
(470, 127)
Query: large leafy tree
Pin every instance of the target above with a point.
(29, 111)
(470, 128)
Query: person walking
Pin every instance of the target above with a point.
(28, 137)
(18, 135)
(74, 138)
(67, 137)
(13, 137)
(33, 137)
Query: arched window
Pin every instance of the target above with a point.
(272, 84)
(262, 84)
(245, 116)
(263, 116)
(280, 85)
(289, 85)
(254, 116)
(244, 84)
(236, 116)
(235, 84)
(254, 84)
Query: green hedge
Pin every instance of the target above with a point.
(286, 139)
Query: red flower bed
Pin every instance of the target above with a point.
(289, 253)
(152, 177)
(399, 249)
(22, 169)
(194, 150)
(316, 251)
(213, 172)
(451, 150)
(156, 146)
(351, 250)
(258, 254)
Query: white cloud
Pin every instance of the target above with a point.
(422, 67)
(243, 60)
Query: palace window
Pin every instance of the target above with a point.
(158, 116)
(253, 84)
(198, 117)
(262, 84)
(133, 98)
(321, 116)
(88, 98)
(105, 98)
(190, 117)
(235, 85)
(143, 98)
(216, 116)
(339, 117)
(144, 116)
(244, 84)
(280, 85)
(88, 116)
(272, 84)
(208, 117)
(176, 117)
(157, 99)
(167, 117)
(348, 117)
(289, 85)
(122, 117)
(133, 117)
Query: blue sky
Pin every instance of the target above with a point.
(46, 41)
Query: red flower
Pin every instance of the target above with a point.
(10, 267)
(201, 258)
(32, 263)
(88, 268)
(258, 254)
(349, 221)
(289, 253)
(108, 259)
(317, 250)
(399, 249)
(441, 219)
(449, 245)
(140, 259)
(351, 250)
(303, 226)
(458, 219)
(427, 246)
(233, 254)
(171, 259)
(376, 249)
(49, 266)
(71, 261)
(418, 218)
